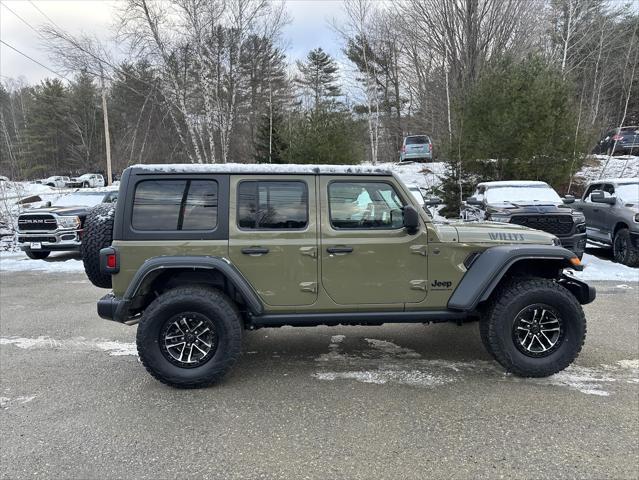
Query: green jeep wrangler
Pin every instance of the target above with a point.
(195, 254)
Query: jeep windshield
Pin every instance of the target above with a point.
(628, 192)
(79, 200)
(523, 194)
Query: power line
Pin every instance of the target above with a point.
(20, 18)
(44, 14)
(33, 59)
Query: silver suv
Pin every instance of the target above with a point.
(611, 208)
(417, 148)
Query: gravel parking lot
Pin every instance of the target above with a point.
(351, 402)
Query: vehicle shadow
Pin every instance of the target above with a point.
(62, 257)
(600, 252)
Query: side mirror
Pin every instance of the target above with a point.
(569, 199)
(411, 219)
(473, 201)
(47, 205)
(598, 197)
(432, 201)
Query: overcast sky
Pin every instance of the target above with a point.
(309, 28)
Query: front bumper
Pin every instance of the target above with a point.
(113, 308)
(575, 243)
(61, 240)
(583, 292)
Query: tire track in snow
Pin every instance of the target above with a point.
(114, 348)
(387, 363)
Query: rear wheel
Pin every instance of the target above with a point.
(85, 185)
(534, 327)
(623, 250)
(37, 254)
(189, 337)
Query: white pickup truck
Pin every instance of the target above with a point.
(88, 180)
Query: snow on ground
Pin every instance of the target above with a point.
(625, 166)
(55, 263)
(384, 363)
(601, 269)
(426, 175)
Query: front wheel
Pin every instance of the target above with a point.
(37, 254)
(189, 337)
(534, 327)
(623, 250)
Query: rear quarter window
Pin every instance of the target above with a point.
(175, 205)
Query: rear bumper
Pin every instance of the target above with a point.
(416, 156)
(113, 308)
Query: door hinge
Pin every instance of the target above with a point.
(308, 287)
(419, 249)
(310, 251)
(418, 285)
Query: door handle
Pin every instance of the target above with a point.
(255, 251)
(339, 249)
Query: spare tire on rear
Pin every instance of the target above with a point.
(98, 234)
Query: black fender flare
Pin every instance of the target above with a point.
(157, 265)
(489, 268)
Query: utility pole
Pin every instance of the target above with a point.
(107, 138)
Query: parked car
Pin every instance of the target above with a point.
(624, 140)
(417, 148)
(611, 208)
(195, 257)
(59, 226)
(55, 181)
(88, 180)
(532, 204)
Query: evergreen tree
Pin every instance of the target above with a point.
(86, 152)
(518, 122)
(319, 77)
(270, 145)
(47, 130)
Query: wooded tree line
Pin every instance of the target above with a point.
(506, 88)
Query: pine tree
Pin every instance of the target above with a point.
(270, 146)
(319, 77)
(47, 130)
(85, 124)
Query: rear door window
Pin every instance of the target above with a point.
(272, 205)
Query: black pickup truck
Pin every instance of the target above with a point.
(58, 226)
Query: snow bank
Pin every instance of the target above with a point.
(625, 166)
(55, 263)
(600, 269)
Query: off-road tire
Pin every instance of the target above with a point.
(98, 234)
(483, 334)
(630, 254)
(37, 254)
(498, 324)
(207, 302)
(85, 185)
